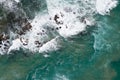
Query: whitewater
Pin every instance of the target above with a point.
(61, 20)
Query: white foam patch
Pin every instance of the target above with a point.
(60, 77)
(68, 15)
(16, 44)
(104, 6)
(17, 1)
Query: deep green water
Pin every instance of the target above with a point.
(92, 56)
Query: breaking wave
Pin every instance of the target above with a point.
(44, 33)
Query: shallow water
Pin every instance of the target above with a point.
(92, 56)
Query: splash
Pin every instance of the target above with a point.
(61, 19)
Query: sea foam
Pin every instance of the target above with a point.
(104, 6)
(62, 19)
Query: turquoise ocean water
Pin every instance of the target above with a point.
(91, 56)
